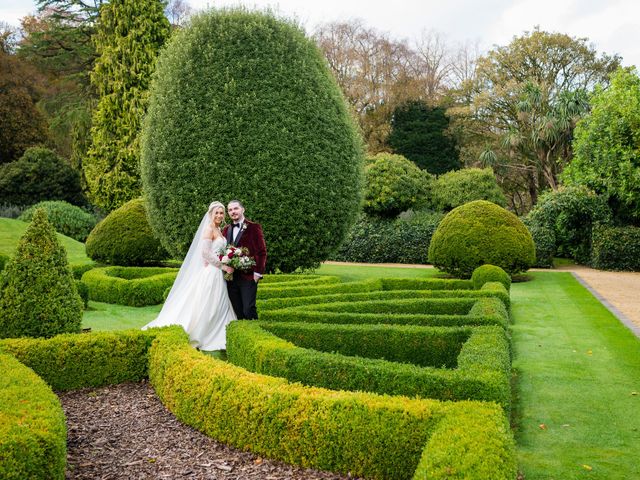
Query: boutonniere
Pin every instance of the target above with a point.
(244, 226)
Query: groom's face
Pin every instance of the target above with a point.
(236, 212)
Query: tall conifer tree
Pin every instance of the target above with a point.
(130, 33)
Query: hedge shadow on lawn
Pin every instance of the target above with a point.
(365, 434)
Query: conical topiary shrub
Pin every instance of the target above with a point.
(38, 295)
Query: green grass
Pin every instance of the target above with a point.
(105, 316)
(11, 230)
(577, 369)
(352, 273)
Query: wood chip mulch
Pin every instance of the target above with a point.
(124, 432)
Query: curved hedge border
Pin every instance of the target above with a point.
(365, 434)
(482, 372)
(33, 432)
(131, 286)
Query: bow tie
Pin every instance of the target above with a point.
(236, 225)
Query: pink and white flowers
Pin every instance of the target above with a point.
(237, 258)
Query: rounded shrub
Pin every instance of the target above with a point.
(3, 260)
(462, 186)
(481, 232)
(38, 295)
(243, 106)
(571, 213)
(40, 174)
(393, 185)
(125, 238)
(67, 219)
(544, 237)
(490, 273)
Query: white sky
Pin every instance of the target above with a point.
(613, 26)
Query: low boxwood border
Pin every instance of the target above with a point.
(482, 373)
(131, 286)
(368, 285)
(33, 432)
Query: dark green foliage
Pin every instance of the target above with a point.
(39, 175)
(79, 269)
(382, 240)
(393, 184)
(616, 248)
(132, 286)
(250, 345)
(67, 219)
(571, 213)
(478, 233)
(128, 37)
(418, 132)
(243, 106)
(33, 433)
(490, 273)
(69, 362)
(457, 188)
(368, 435)
(125, 238)
(3, 260)
(38, 295)
(83, 291)
(607, 145)
(544, 236)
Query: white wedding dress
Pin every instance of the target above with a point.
(198, 301)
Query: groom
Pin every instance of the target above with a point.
(244, 286)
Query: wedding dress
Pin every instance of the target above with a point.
(198, 300)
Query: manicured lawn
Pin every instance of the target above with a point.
(349, 273)
(578, 383)
(106, 316)
(11, 230)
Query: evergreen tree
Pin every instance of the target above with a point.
(418, 133)
(38, 295)
(129, 35)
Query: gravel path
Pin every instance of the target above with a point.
(124, 432)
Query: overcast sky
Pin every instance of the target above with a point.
(613, 26)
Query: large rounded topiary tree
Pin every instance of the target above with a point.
(125, 238)
(38, 295)
(478, 233)
(244, 107)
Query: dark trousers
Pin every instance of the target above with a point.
(242, 294)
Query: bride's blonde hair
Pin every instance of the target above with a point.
(215, 205)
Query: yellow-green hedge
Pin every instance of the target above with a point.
(131, 286)
(33, 433)
(369, 435)
(302, 290)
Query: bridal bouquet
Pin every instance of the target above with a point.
(237, 258)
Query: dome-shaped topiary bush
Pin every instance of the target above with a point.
(394, 184)
(481, 232)
(38, 294)
(125, 238)
(67, 219)
(490, 273)
(243, 106)
(462, 186)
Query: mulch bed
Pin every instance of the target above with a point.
(124, 432)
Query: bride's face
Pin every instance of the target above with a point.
(218, 216)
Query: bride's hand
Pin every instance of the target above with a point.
(227, 269)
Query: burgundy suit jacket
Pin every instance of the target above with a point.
(252, 238)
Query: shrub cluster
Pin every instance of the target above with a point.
(544, 237)
(38, 294)
(125, 238)
(69, 362)
(570, 213)
(616, 248)
(367, 285)
(479, 233)
(67, 219)
(40, 174)
(458, 187)
(490, 273)
(252, 346)
(132, 286)
(362, 433)
(3, 260)
(240, 92)
(33, 432)
(382, 240)
(394, 184)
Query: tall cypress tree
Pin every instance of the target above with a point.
(418, 133)
(130, 33)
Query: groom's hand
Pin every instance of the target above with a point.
(256, 277)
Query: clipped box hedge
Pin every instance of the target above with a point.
(615, 248)
(131, 286)
(33, 432)
(368, 285)
(368, 435)
(482, 371)
(72, 361)
(292, 280)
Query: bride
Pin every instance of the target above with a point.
(198, 300)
